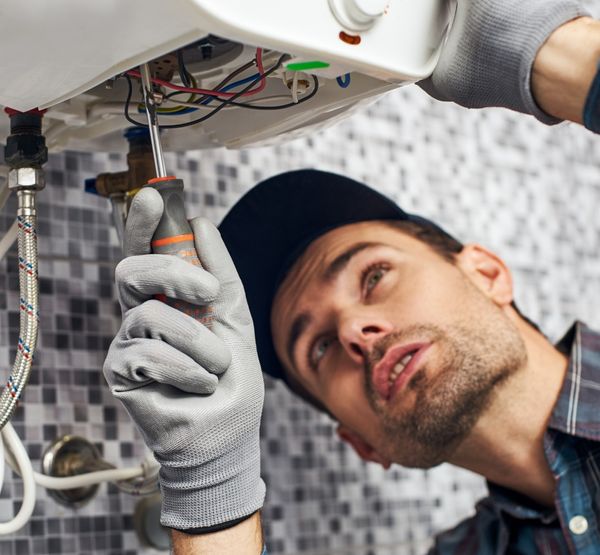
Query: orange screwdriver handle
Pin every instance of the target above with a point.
(174, 236)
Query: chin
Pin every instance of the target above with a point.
(415, 455)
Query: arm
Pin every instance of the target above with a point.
(243, 539)
(565, 67)
(517, 55)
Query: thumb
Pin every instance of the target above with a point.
(214, 255)
(144, 214)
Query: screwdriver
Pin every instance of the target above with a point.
(174, 234)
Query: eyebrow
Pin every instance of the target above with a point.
(334, 268)
(337, 265)
(296, 330)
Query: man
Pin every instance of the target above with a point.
(405, 336)
(412, 343)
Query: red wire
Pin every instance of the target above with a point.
(168, 84)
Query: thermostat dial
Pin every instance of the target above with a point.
(358, 15)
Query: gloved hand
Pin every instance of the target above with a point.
(195, 394)
(489, 55)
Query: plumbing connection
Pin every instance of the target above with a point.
(25, 154)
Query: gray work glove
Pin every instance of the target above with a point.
(196, 394)
(488, 58)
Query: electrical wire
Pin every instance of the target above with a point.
(184, 75)
(177, 110)
(252, 102)
(206, 99)
(224, 82)
(246, 92)
(344, 80)
(255, 103)
(262, 77)
(232, 86)
(252, 106)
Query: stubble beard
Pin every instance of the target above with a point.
(448, 399)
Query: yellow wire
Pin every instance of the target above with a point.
(175, 108)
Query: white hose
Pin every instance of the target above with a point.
(89, 479)
(80, 480)
(12, 441)
(14, 452)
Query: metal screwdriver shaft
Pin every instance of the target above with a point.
(150, 103)
(173, 234)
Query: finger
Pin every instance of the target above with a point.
(214, 255)
(141, 277)
(156, 320)
(143, 217)
(135, 363)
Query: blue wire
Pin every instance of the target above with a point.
(226, 88)
(344, 81)
(233, 86)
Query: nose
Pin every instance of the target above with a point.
(358, 333)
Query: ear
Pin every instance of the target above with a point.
(362, 448)
(488, 273)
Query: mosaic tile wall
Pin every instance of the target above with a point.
(529, 192)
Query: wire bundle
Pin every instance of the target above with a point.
(222, 93)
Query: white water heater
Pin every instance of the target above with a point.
(70, 57)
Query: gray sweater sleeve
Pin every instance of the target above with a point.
(488, 58)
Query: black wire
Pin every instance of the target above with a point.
(270, 107)
(175, 93)
(221, 84)
(224, 102)
(236, 72)
(281, 106)
(128, 101)
(184, 75)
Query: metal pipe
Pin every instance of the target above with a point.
(29, 304)
(147, 89)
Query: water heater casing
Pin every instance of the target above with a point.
(57, 55)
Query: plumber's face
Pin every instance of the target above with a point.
(403, 347)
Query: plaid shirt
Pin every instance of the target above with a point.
(508, 523)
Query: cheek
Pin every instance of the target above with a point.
(429, 296)
(347, 400)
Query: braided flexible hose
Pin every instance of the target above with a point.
(28, 304)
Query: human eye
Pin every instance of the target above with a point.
(318, 350)
(371, 276)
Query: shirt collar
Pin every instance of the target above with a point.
(519, 506)
(576, 411)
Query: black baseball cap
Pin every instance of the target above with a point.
(269, 228)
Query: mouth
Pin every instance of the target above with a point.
(397, 366)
